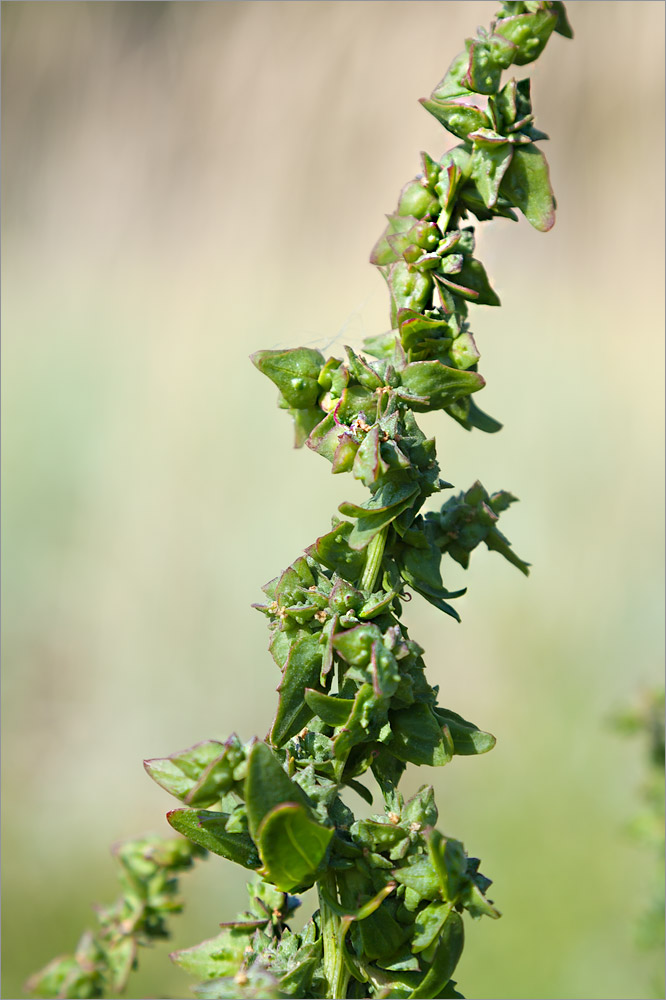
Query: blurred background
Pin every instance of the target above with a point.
(186, 183)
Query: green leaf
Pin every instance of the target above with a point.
(208, 829)
(438, 383)
(417, 737)
(562, 27)
(449, 950)
(301, 671)
(416, 200)
(452, 84)
(367, 716)
(429, 921)
(467, 738)
(292, 846)
(200, 775)
(449, 860)
(382, 501)
(334, 711)
(369, 466)
(475, 902)
(333, 551)
(388, 501)
(467, 413)
(219, 956)
(420, 877)
(528, 32)
(377, 835)
(489, 164)
(484, 71)
(409, 289)
(294, 372)
(526, 184)
(381, 935)
(267, 786)
(460, 119)
(472, 283)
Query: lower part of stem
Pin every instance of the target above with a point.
(335, 969)
(373, 560)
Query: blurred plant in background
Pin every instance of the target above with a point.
(646, 722)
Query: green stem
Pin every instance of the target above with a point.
(373, 560)
(335, 969)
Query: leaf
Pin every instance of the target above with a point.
(409, 289)
(301, 671)
(377, 835)
(294, 372)
(460, 119)
(417, 736)
(449, 950)
(208, 829)
(484, 71)
(528, 32)
(449, 860)
(383, 500)
(219, 956)
(416, 200)
(292, 846)
(267, 786)
(388, 501)
(369, 466)
(452, 83)
(421, 877)
(428, 924)
(200, 775)
(467, 738)
(367, 715)
(472, 283)
(526, 184)
(438, 383)
(475, 902)
(333, 551)
(382, 936)
(489, 164)
(467, 413)
(334, 711)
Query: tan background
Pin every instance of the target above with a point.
(186, 183)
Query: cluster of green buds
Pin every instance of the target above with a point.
(353, 697)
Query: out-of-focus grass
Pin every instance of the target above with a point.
(187, 183)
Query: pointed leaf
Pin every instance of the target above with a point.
(489, 164)
(200, 775)
(528, 32)
(467, 738)
(219, 956)
(428, 924)
(449, 860)
(449, 949)
(208, 829)
(294, 372)
(438, 383)
(333, 551)
(292, 846)
(267, 786)
(417, 737)
(526, 184)
(301, 670)
(460, 119)
(332, 711)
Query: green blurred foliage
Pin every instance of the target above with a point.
(168, 170)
